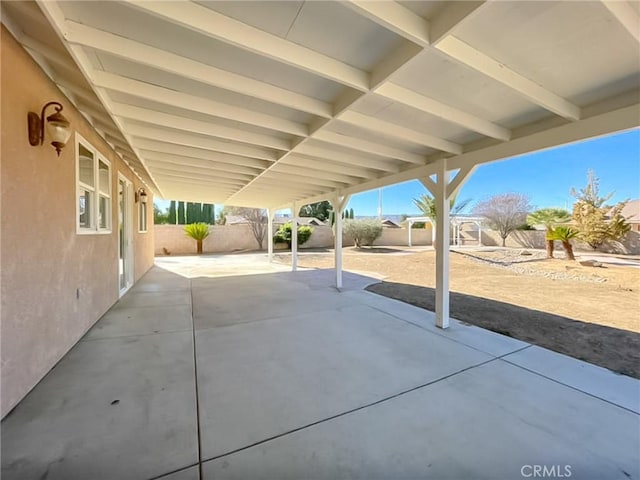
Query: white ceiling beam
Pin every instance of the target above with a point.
(451, 18)
(323, 165)
(194, 103)
(197, 126)
(407, 97)
(626, 15)
(368, 147)
(347, 158)
(223, 158)
(190, 175)
(54, 56)
(393, 63)
(198, 162)
(308, 172)
(468, 55)
(179, 138)
(282, 177)
(185, 67)
(394, 17)
(215, 25)
(166, 167)
(386, 128)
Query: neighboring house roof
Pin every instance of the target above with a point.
(389, 223)
(301, 221)
(235, 220)
(631, 211)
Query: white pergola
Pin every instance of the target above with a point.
(279, 104)
(456, 220)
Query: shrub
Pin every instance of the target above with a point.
(197, 231)
(283, 235)
(362, 232)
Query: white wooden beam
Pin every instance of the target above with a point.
(626, 15)
(339, 202)
(181, 160)
(443, 224)
(350, 159)
(182, 151)
(451, 18)
(294, 236)
(197, 126)
(192, 69)
(194, 103)
(394, 17)
(308, 172)
(165, 136)
(215, 25)
(314, 164)
(429, 184)
(283, 178)
(386, 128)
(368, 147)
(433, 107)
(468, 55)
(454, 185)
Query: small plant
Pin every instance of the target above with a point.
(363, 232)
(564, 234)
(197, 231)
(283, 235)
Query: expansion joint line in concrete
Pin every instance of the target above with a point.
(195, 376)
(348, 412)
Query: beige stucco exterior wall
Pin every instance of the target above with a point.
(55, 284)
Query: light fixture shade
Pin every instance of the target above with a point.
(143, 196)
(58, 128)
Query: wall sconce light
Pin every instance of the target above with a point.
(141, 195)
(57, 126)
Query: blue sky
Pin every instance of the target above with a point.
(546, 177)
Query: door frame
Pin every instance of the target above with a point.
(127, 229)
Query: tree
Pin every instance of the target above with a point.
(596, 221)
(362, 232)
(550, 218)
(505, 212)
(222, 218)
(564, 234)
(172, 213)
(283, 235)
(181, 214)
(351, 213)
(197, 231)
(319, 210)
(208, 213)
(257, 219)
(159, 216)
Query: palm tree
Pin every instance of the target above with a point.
(427, 205)
(565, 234)
(197, 231)
(550, 218)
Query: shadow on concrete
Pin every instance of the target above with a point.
(612, 348)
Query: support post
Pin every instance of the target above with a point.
(294, 237)
(410, 225)
(339, 203)
(270, 214)
(443, 226)
(479, 234)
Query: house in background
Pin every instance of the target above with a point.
(631, 212)
(388, 223)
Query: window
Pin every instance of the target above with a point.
(142, 216)
(93, 189)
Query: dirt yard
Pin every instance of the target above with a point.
(591, 313)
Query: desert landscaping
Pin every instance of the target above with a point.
(588, 312)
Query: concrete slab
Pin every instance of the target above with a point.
(592, 379)
(115, 408)
(469, 335)
(494, 421)
(155, 299)
(265, 378)
(192, 473)
(124, 322)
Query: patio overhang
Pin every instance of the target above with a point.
(278, 104)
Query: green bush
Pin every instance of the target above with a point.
(283, 235)
(362, 232)
(197, 231)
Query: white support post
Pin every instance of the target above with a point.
(339, 203)
(442, 245)
(270, 214)
(410, 224)
(294, 237)
(479, 234)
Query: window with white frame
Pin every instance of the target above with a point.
(93, 189)
(142, 214)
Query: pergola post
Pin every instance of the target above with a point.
(442, 191)
(294, 237)
(410, 225)
(339, 203)
(270, 214)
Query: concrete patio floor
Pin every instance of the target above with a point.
(270, 374)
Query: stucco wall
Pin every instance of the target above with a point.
(55, 284)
